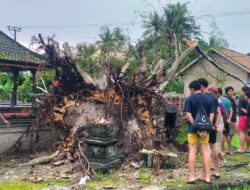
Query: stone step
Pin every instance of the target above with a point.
(112, 164)
(98, 142)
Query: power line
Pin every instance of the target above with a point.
(247, 12)
(18, 29)
(15, 29)
(83, 25)
(226, 14)
(150, 5)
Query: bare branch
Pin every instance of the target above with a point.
(176, 63)
(172, 71)
(176, 46)
(67, 51)
(158, 70)
(90, 171)
(143, 65)
(124, 68)
(41, 160)
(86, 77)
(44, 90)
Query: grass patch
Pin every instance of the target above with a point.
(21, 185)
(144, 175)
(237, 159)
(25, 185)
(58, 182)
(239, 188)
(179, 183)
(235, 142)
(100, 176)
(3, 171)
(182, 135)
(13, 165)
(103, 181)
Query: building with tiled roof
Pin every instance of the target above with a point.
(15, 55)
(237, 58)
(232, 61)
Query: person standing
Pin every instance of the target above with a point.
(233, 126)
(216, 121)
(227, 120)
(247, 94)
(192, 105)
(5, 121)
(242, 123)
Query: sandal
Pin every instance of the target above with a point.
(240, 151)
(191, 182)
(204, 180)
(199, 178)
(216, 176)
(207, 182)
(223, 153)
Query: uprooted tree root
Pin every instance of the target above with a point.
(133, 115)
(132, 107)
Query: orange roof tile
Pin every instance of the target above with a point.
(240, 58)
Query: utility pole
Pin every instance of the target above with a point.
(15, 29)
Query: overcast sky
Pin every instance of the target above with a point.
(80, 20)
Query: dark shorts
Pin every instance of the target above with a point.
(226, 130)
(212, 137)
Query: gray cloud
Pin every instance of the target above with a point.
(70, 20)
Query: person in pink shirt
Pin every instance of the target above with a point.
(56, 85)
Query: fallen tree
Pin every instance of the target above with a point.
(136, 106)
(133, 105)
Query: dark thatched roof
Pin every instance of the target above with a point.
(14, 54)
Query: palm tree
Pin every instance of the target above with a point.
(170, 28)
(176, 20)
(111, 41)
(106, 41)
(119, 38)
(153, 25)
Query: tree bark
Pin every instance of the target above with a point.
(87, 78)
(124, 69)
(171, 72)
(176, 51)
(41, 160)
(143, 64)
